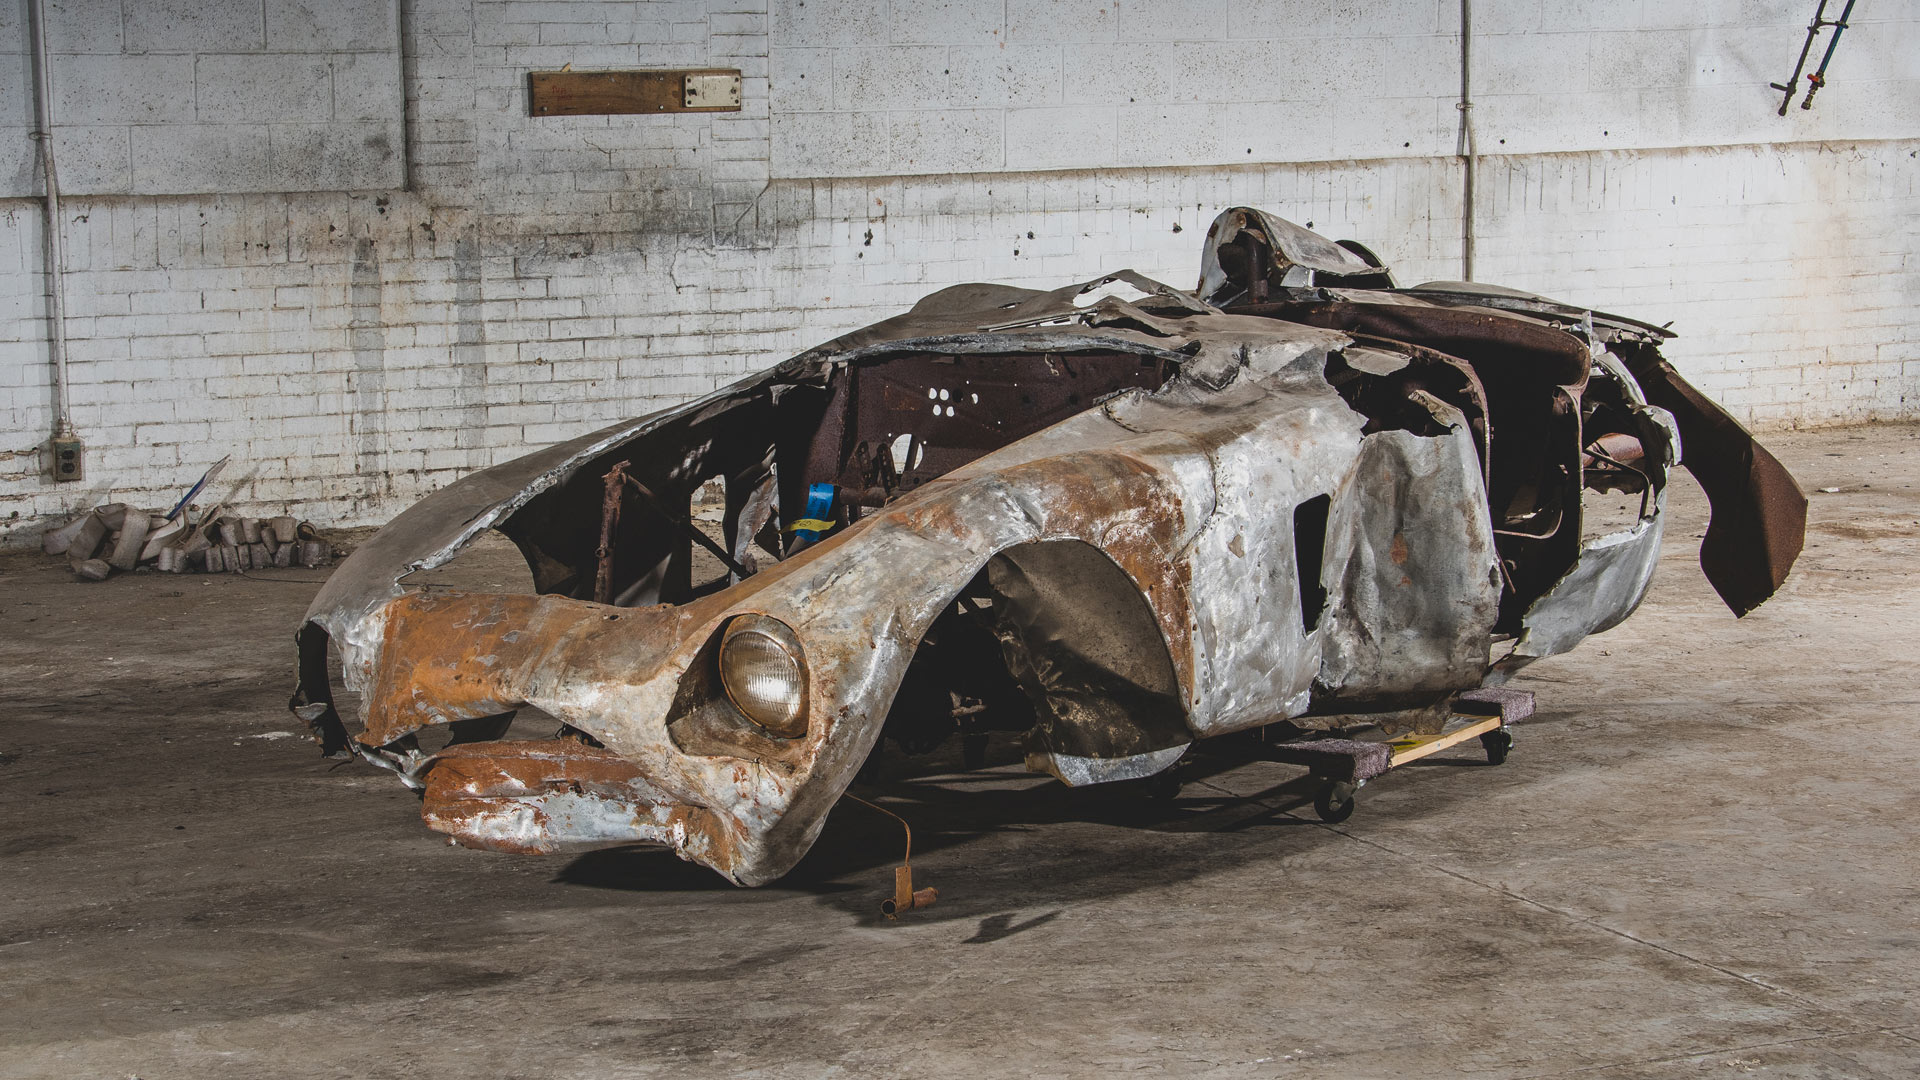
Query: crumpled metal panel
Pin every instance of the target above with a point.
(1606, 327)
(860, 601)
(1605, 585)
(1410, 563)
(1612, 573)
(350, 608)
(1280, 436)
(1759, 519)
(535, 798)
(1076, 770)
(1194, 496)
(1080, 639)
(1289, 244)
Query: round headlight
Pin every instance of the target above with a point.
(765, 675)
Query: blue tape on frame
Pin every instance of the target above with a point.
(818, 517)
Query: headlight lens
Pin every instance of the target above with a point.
(765, 675)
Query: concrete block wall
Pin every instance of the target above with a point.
(172, 97)
(541, 277)
(1789, 270)
(924, 86)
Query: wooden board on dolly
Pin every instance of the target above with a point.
(1343, 766)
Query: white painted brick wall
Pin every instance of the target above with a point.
(546, 276)
(919, 86)
(161, 97)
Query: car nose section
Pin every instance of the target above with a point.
(454, 656)
(609, 673)
(538, 798)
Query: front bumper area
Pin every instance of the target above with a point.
(618, 678)
(537, 798)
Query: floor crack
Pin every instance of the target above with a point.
(1570, 916)
(1592, 921)
(1717, 1050)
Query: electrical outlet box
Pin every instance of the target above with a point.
(69, 459)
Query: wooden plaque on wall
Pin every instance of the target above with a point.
(603, 93)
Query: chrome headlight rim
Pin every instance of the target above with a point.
(791, 725)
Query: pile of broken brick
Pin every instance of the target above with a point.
(120, 537)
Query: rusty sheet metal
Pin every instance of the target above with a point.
(535, 798)
(978, 402)
(1606, 584)
(1477, 334)
(1412, 561)
(1602, 326)
(1759, 519)
(1317, 509)
(1077, 633)
(1248, 252)
(615, 673)
(1612, 573)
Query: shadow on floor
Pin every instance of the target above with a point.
(973, 817)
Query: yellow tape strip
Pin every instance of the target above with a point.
(810, 525)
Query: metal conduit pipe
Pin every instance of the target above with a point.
(54, 238)
(1467, 150)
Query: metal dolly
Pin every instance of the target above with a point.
(1343, 766)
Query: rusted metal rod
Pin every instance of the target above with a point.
(609, 521)
(905, 897)
(692, 530)
(1646, 482)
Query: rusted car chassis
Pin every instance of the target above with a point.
(1115, 518)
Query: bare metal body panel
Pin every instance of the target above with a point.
(1160, 518)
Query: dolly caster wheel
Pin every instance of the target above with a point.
(1497, 743)
(1334, 802)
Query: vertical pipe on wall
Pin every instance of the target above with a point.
(54, 238)
(1468, 152)
(404, 66)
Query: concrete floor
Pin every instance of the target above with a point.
(1699, 862)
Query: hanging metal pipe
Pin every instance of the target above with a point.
(1467, 150)
(54, 239)
(1793, 80)
(1819, 78)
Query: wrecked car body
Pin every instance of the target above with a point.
(1116, 518)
